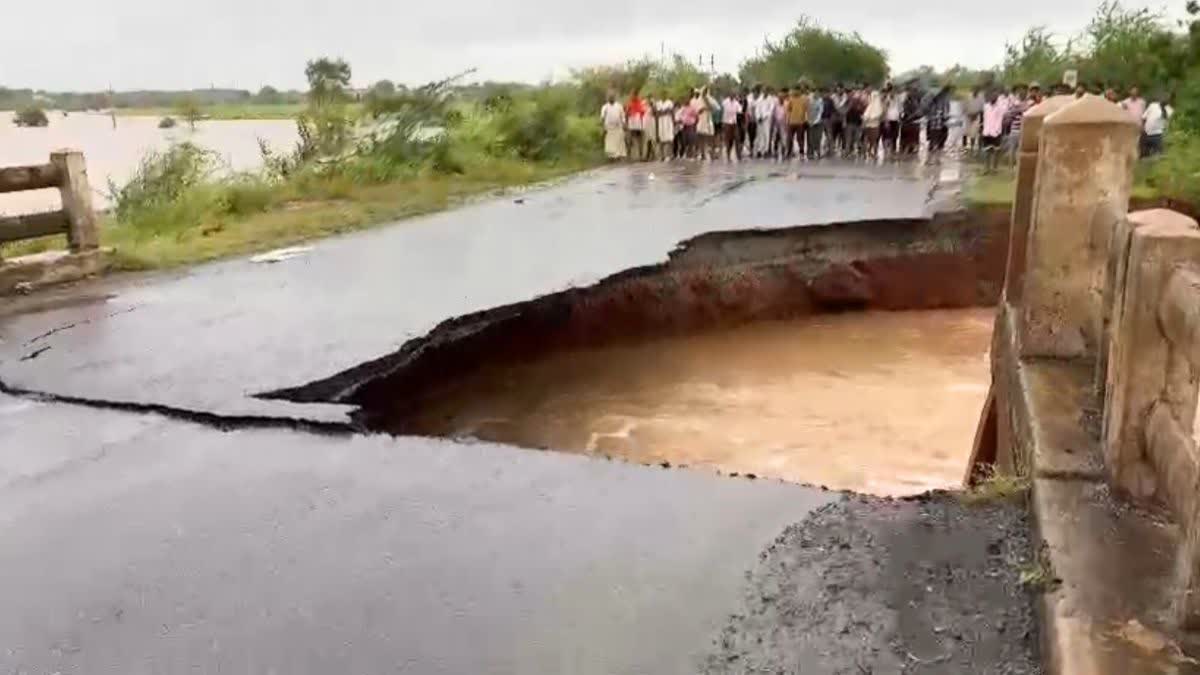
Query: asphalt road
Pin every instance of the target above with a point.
(205, 339)
(137, 543)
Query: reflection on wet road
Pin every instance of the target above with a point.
(884, 403)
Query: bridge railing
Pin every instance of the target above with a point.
(1113, 298)
(67, 172)
(1153, 396)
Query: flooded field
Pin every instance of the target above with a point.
(883, 403)
(115, 153)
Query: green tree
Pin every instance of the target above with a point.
(677, 77)
(818, 55)
(1037, 57)
(31, 116)
(1132, 47)
(383, 89)
(268, 95)
(597, 82)
(328, 80)
(188, 109)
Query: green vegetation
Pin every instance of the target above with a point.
(406, 153)
(1176, 174)
(31, 117)
(189, 110)
(999, 189)
(1038, 575)
(818, 55)
(224, 111)
(997, 486)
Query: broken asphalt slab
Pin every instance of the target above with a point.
(209, 339)
(139, 544)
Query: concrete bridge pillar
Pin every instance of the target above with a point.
(1082, 189)
(1022, 213)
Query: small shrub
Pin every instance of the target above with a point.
(997, 487)
(167, 122)
(1176, 173)
(246, 195)
(446, 158)
(31, 117)
(169, 189)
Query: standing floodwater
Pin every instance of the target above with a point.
(113, 154)
(885, 403)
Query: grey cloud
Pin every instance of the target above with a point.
(246, 43)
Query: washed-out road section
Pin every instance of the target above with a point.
(207, 339)
(139, 543)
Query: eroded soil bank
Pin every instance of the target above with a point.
(712, 283)
(876, 402)
(930, 585)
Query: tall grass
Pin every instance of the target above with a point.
(1176, 173)
(412, 154)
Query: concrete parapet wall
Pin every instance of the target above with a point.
(1084, 180)
(1096, 358)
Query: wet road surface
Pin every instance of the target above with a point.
(882, 403)
(135, 544)
(208, 338)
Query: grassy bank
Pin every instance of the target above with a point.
(293, 213)
(225, 111)
(999, 189)
(410, 154)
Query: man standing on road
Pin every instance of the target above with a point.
(764, 115)
(841, 105)
(911, 115)
(829, 121)
(752, 120)
(797, 120)
(937, 121)
(816, 113)
(974, 112)
(613, 117)
(994, 111)
(892, 102)
(635, 122)
(856, 105)
(872, 122)
(731, 112)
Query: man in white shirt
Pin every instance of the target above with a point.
(752, 118)
(764, 115)
(613, 117)
(731, 109)
(1154, 125)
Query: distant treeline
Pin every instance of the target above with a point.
(17, 99)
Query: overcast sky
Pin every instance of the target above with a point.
(128, 44)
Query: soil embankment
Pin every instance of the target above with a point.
(954, 260)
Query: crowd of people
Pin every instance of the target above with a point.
(813, 122)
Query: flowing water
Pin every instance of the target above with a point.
(114, 153)
(882, 403)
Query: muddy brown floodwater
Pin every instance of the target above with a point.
(877, 402)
